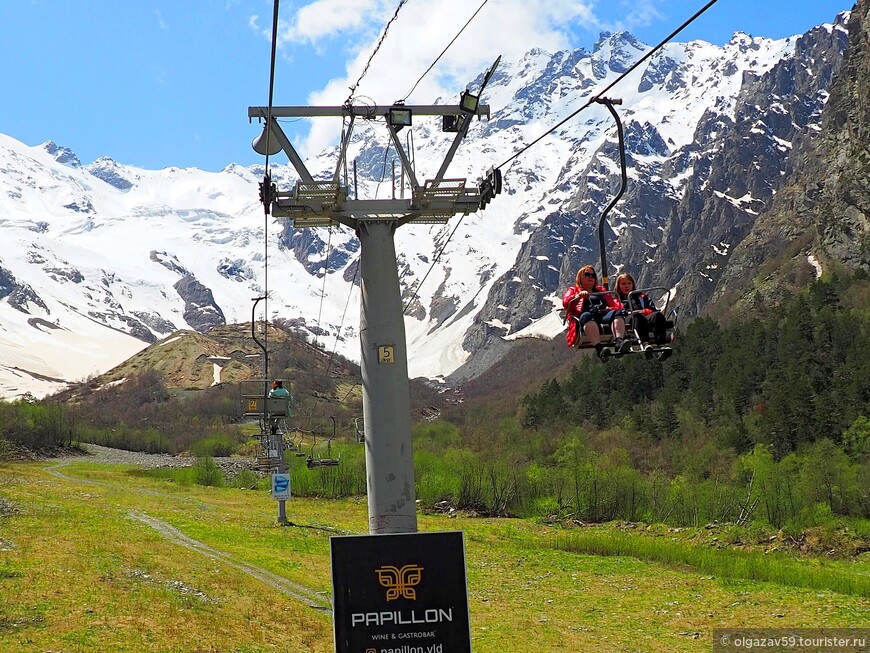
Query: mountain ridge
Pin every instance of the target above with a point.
(144, 253)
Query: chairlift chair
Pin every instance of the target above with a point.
(607, 338)
(272, 415)
(314, 460)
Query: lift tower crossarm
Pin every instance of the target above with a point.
(362, 110)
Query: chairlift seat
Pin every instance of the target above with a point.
(275, 406)
(278, 406)
(650, 348)
(607, 339)
(312, 463)
(583, 341)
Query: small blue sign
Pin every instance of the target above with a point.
(280, 487)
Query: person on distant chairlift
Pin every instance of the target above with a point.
(590, 312)
(278, 390)
(644, 318)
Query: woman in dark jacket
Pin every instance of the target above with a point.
(590, 311)
(643, 316)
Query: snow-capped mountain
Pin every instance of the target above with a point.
(98, 260)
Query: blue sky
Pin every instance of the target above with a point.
(167, 83)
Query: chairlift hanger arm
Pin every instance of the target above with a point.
(342, 154)
(257, 300)
(608, 102)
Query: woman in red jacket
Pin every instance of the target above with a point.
(644, 317)
(589, 306)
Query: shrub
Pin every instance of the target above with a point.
(436, 480)
(247, 480)
(725, 563)
(216, 445)
(207, 472)
(35, 425)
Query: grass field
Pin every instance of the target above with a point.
(98, 558)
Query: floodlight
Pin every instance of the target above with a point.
(399, 117)
(259, 143)
(468, 102)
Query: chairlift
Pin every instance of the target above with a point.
(315, 460)
(297, 444)
(607, 339)
(271, 413)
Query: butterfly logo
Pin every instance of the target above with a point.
(400, 581)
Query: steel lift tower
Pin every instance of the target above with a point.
(384, 358)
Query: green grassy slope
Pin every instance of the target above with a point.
(96, 558)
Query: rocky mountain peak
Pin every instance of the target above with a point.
(616, 52)
(110, 172)
(62, 155)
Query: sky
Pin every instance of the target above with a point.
(163, 83)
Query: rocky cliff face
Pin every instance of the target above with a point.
(821, 216)
(736, 180)
(686, 209)
(715, 137)
(842, 214)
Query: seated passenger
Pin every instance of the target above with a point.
(278, 390)
(643, 316)
(589, 311)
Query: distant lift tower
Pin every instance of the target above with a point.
(384, 357)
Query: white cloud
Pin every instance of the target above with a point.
(350, 29)
(418, 35)
(640, 14)
(327, 18)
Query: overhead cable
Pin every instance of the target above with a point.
(271, 80)
(341, 324)
(323, 289)
(600, 94)
(377, 47)
(444, 50)
(267, 190)
(562, 122)
(437, 257)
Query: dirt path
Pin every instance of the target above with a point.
(55, 471)
(306, 595)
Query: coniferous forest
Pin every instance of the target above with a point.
(761, 419)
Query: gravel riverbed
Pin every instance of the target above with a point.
(108, 456)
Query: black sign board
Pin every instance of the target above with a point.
(402, 593)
